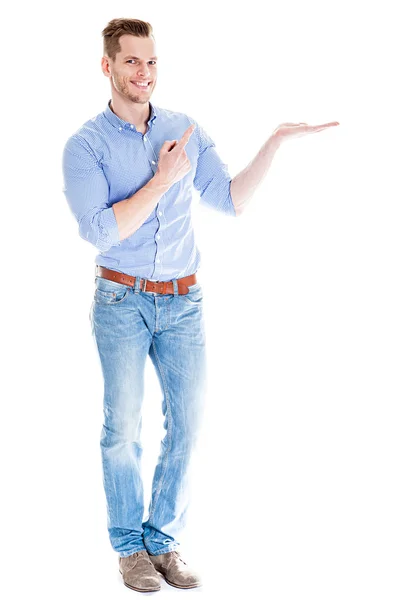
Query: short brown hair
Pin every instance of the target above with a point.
(117, 27)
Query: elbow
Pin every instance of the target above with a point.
(99, 232)
(93, 235)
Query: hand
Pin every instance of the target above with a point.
(285, 131)
(173, 163)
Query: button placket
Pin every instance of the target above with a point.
(154, 154)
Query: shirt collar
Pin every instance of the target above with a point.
(120, 123)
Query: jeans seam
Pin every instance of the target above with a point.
(165, 458)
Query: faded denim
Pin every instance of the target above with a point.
(127, 325)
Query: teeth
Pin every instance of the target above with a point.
(141, 84)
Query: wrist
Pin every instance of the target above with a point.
(276, 139)
(159, 183)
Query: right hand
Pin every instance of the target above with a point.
(173, 162)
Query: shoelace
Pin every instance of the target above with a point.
(175, 553)
(141, 555)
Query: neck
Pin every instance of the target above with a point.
(132, 112)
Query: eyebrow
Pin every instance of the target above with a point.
(131, 56)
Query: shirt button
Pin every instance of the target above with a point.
(120, 128)
(154, 162)
(158, 237)
(160, 213)
(131, 126)
(145, 138)
(158, 260)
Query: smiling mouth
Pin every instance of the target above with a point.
(141, 87)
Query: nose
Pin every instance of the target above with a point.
(144, 72)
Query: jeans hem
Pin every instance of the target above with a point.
(126, 553)
(164, 550)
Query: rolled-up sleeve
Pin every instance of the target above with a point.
(212, 178)
(87, 192)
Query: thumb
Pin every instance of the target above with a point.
(168, 145)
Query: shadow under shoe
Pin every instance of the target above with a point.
(138, 572)
(175, 570)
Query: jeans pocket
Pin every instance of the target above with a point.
(194, 295)
(110, 292)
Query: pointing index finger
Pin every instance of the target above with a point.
(186, 136)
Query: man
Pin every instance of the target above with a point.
(128, 177)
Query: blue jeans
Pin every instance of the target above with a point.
(127, 324)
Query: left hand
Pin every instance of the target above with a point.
(285, 131)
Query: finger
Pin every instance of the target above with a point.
(315, 128)
(168, 145)
(186, 136)
(173, 144)
(331, 124)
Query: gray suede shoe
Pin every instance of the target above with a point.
(138, 572)
(174, 570)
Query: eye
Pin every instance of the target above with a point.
(132, 59)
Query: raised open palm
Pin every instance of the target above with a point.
(285, 131)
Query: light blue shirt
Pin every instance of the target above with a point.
(107, 160)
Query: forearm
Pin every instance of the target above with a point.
(131, 213)
(245, 183)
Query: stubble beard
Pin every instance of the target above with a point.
(124, 87)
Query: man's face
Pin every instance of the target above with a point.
(127, 70)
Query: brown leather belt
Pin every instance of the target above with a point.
(147, 285)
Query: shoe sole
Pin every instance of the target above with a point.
(132, 587)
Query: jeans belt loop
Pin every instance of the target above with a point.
(144, 285)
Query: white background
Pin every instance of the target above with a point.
(296, 490)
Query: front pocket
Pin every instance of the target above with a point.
(110, 296)
(194, 295)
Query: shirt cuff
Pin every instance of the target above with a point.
(110, 226)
